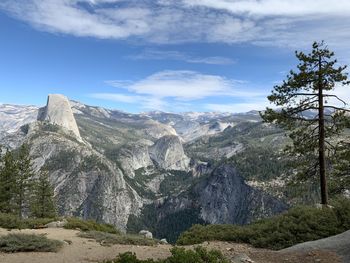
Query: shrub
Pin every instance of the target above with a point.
(109, 239)
(90, 225)
(26, 243)
(299, 224)
(10, 221)
(178, 255)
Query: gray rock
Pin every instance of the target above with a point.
(57, 224)
(242, 258)
(340, 244)
(146, 234)
(164, 241)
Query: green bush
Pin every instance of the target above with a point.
(109, 239)
(26, 243)
(299, 224)
(90, 225)
(178, 255)
(10, 221)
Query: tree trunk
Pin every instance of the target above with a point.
(321, 147)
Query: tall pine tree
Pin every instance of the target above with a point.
(310, 111)
(22, 177)
(8, 171)
(42, 199)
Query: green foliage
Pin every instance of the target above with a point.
(259, 163)
(175, 181)
(25, 172)
(169, 227)
(89, 225)
(16, 170)
(10, 221)
(63, 159)
(20, 192)
(107, 239)
(25, 243)
(178, 255)
(42, 200)
(339, 182)
(7, 182)
(299, 224)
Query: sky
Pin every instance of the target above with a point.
(168, 55)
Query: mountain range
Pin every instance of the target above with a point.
(155, 170)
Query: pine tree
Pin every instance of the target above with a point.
(42, 200)
(307, 112)
(340, 180)
(7, 182)
(23, 175)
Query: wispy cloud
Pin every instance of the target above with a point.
(179, 91)
(261, 22)
(185, 85)
(276, 7)
(152, 54)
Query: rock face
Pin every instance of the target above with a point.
(168, 154)
(225, 198)
(58, 111)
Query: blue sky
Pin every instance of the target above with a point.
(184, 55)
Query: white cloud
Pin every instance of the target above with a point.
(265, 22)
(143, 102)
(185, 85)
(277, 7)
(254, 104)
(182, 91)
(117, 97)
(151, 54)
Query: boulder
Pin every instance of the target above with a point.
(57, 224)
(146, 234)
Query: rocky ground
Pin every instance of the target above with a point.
(80, 250)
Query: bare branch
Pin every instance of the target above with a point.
(335, 96)
(336, 108)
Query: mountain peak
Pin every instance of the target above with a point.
(58, 111)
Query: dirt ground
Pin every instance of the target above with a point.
(83, 250)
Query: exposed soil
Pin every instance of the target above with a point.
(83, 250)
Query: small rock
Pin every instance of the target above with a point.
(242, 258)
(229, 248)
(146, 234)
(57, 224)
(164, 241)
(318, 260)
(69, 242)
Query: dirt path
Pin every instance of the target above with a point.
(83, 250)
(80, 251)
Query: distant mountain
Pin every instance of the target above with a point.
(142, 170)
